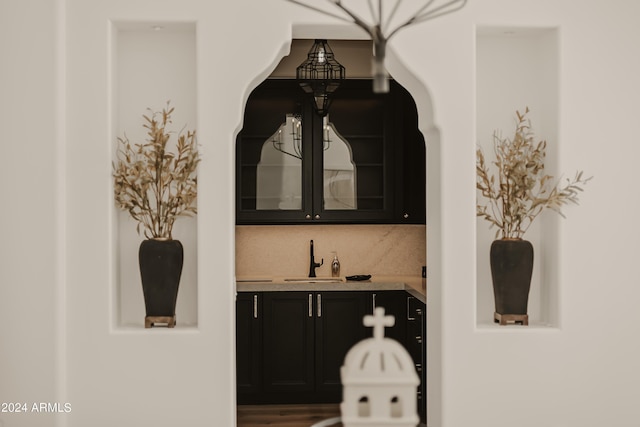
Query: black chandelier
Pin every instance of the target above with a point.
(320, 75)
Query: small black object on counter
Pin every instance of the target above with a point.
(359, 277)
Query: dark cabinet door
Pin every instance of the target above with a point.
(275, 111)
(416, 345)
(288, 349)
(409, 330)
(410, 183)
(365, 122)
(338, 328)
(394, 303)
(248, 344)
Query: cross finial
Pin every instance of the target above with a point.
(378, 322)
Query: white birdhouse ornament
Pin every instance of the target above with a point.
(379, 380)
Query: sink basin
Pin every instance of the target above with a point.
(316, 280)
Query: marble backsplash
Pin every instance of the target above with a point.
(389, 250)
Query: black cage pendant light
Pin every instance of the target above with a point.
(320, 75)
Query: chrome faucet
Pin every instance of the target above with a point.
(314, 264)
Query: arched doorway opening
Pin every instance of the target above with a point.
(432, 176)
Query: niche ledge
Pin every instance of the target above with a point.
(137, 330)
(534, 327)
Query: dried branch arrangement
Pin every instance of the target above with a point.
(520, 191)
(154, 184)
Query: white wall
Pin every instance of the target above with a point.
(584, 373)
(31, 176)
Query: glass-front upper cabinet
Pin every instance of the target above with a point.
(294, 166)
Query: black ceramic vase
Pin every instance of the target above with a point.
(160, 270)
(511, 269)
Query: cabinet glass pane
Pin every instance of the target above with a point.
(358, 119)
(339, 171)
(279, 171)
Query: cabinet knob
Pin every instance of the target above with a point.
(307, 216)
(317, 216)
(405, 216)
(419, 339)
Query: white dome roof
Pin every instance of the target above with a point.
(378, 359)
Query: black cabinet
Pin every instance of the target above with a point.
(394, 303)
(291, 345)
(338, 328)
(249, 343)
(288, 349)
(363, 163)
(416, 346)
(306, 338)
(409, 330)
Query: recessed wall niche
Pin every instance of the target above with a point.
(517, 68)
(152, 63)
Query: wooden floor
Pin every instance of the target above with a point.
(286, 415)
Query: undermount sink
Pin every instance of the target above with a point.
(316, 280)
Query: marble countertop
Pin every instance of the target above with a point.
(411, 284)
